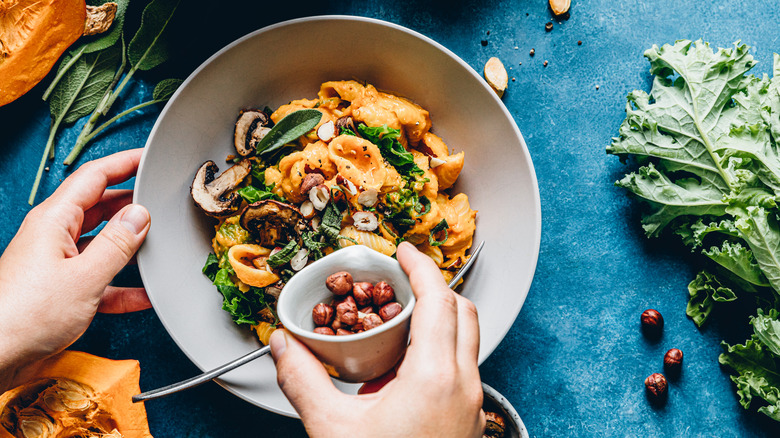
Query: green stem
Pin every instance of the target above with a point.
(82, 141)
(49, 146)
(62, 72)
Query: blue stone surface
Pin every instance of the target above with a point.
(575, 360)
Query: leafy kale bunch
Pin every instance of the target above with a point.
(706, 139)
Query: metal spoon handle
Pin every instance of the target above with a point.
(203, 378)
(467, 266)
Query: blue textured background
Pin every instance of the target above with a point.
(575, 360)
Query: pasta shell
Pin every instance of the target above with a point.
(365, 238)
(241, 258)
(263, 330)
(449, 171)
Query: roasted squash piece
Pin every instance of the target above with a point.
(33, 35)
(76, 394)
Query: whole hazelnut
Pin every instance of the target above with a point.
(336, 325)
(655, 384)
(342, 332)
(383, 293)
(310, 181)
(366, 310)
(346, 311)
(339, 283)
(652, 322)
(322, 314)
(673, 361)
(324, 331)
(372, 320)
(363, 292)
(390, 311)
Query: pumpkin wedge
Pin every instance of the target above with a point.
(33, 35)
(76, 394)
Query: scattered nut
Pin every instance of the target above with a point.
(656, 385)
(324, 331)
(346, 311)
(545, 63)
(307, 209)
(346, 122)
(673, 361)
(532, 52)
(300, 259)
(365, 220)
(652, 322)
(322, 314)
(372, 320)
(496, 75)
(484, 43)
(310, 181)
(327, 131)
(560, 7)
(389, 311)
(319, 196)
(579, 43)
(339, 283)
(549, 26)
(347, 185)
(368, 197)
(436, 162)
(383, 293)
(364, 293)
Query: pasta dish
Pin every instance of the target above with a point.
(354, 166)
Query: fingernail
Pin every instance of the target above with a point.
(135, 219)
(278, 344)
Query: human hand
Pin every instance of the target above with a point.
(436, 392)
(52, 281)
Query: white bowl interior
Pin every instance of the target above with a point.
(288, 61)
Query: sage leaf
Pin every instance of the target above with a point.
(148, 48)
(91, 75)
(165, 89)
(288, 129)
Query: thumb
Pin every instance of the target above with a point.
(117, 242)
(302, 377)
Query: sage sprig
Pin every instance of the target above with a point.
(88, 78)
(288, 129)
(76, 95)
(146, 50)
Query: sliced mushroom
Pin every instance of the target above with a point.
(215, 195)
(271, 221)
(251, 127)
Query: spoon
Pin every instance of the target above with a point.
(216, 372)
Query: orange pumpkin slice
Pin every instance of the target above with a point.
(33, 35)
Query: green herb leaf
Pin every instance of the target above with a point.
(149, 48)
(165, 89)
(284, 256)
(83, 86)
(441, 226)
(758, 374)
(392, 150)
(252, 195)
(704, 291)
(242, 306)
(211, 267)
(288, 129)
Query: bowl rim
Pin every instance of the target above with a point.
(351, 251)
(523, 151)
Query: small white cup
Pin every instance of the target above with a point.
(352, 358)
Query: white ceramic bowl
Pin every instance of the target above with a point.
(495, 402)
(289, 61)
(354, 358)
